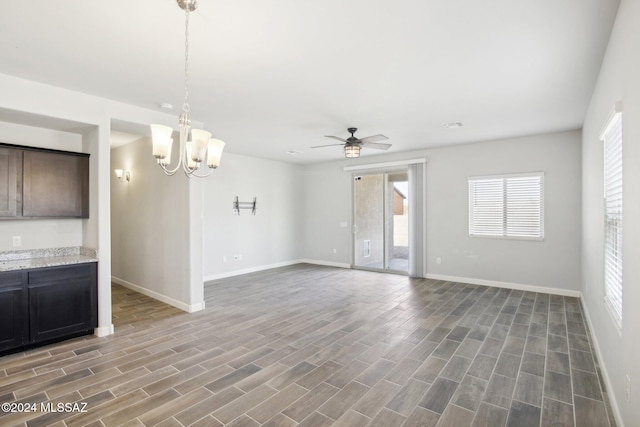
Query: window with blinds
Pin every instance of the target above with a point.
(612, 137)
(510, 206)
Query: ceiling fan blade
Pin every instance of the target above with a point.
(329, 145)
(373, 138)
(376, 145)
(335, 137)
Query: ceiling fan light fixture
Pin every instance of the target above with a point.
(351, 151)
(353, 145)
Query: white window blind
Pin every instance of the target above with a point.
(507, 206)
(612, 137)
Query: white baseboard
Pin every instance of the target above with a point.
(270, 266)
(497, 284)
(327, 263)
(103, 331)
(248, 270)
(493, 283)
(603, 369)
(189, 308)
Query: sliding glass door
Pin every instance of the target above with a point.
(381, 221)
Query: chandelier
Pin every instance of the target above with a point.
(201, 147)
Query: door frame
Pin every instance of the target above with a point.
(385, 216)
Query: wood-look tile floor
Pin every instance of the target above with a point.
(318, 346)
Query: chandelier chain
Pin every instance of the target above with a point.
(201, 149)
(185, 105)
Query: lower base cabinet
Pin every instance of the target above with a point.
(13, 309)
(42, 305)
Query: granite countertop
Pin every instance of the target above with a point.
(37, 258)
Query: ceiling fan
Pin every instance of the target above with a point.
(352, 145)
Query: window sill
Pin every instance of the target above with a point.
(530, 239)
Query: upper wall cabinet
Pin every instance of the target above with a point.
(47, 183)
(55, 185)
(9, 182)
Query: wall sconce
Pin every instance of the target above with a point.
(124, 176)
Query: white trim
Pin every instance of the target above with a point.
(276, 265)
(490, 198)
(103, 331)
(189, 308)
(603, 369)
(483, 282)
(384, 165)
(506, 175)
(497, 284)
(248, 270)
(491, 236)
(615, 110)
(325, 263)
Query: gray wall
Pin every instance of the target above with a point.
(150, 225)
(304, 213)
(554, 262)
(326, 215)
(269, 238)
(618, 81)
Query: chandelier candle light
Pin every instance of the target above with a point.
(201, 146)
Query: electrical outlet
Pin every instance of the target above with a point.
(628, 387)
(17, 241)
(224, 259)
(335, 251)
(438, 260)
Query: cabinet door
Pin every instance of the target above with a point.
(62, 301)
(13, 311)
(55, 185)
(9, 168)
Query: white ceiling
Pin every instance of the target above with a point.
(273, 76)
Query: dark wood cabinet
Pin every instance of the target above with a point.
(47, 304)
(10, 181)
(55, 185)
(13, 309)
(62, 301)
(38, 183)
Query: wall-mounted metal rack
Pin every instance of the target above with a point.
(244, 205)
